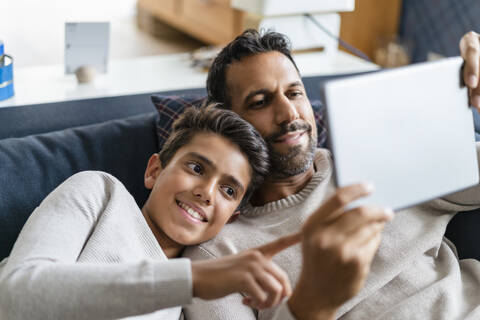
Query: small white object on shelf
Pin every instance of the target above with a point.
(288, 17)
(303, 33)
(289, 7)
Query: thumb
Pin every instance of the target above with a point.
(272, 248)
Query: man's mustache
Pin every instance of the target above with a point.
(289, 127)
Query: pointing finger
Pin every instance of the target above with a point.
(272, 248)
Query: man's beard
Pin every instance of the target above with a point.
(295, 160)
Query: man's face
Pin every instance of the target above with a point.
(266, 90)
(198, 191)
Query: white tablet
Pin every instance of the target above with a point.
(408, 130)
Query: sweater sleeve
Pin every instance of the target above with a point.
(42, 278)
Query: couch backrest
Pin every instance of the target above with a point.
(31, 167)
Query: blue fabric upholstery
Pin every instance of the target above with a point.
(33, 166)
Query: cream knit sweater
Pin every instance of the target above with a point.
(87, 253)
(415, 274)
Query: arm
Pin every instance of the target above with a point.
(230, 307)
(250, 272)
(470, 52)
(42, 277)
(338, 246)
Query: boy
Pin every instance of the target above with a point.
(89, 252)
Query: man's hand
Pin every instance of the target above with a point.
(251, 272)
(338, 248)
(470, 52)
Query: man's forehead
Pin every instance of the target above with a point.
(261, 71)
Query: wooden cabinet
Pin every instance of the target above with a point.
(370, 23)
(211, 21)
(216, 22)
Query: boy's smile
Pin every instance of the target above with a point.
(192, 212)
(197, 192)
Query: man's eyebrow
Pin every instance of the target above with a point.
(295, 84)
(236, 184)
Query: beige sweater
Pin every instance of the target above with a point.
(87, 253)
(415, 274)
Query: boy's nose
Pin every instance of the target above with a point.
(205, 192)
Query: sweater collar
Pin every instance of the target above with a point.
(323, 168)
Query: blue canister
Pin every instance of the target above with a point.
(6, 74)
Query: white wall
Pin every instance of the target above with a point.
(33, 30)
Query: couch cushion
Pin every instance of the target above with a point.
(170, 107)
(31, 167)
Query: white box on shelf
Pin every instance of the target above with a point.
(289, 7)
(303, 33)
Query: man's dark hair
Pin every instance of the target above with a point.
(250, 42)
(227, 124)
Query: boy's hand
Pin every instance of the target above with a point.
(251, 272)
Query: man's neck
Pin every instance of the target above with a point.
(274, 189)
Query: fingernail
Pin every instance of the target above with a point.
(472, 81)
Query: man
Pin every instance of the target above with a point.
(414, 274)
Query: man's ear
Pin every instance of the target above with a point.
(153, 170)
(234, 216)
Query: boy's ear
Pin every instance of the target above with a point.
(234, 216)
(153, 170)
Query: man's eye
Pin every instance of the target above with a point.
(256, 104)
(195, 167)
(229, 191)
(295, 94)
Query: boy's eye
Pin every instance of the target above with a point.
(195, 167)
(229, 191)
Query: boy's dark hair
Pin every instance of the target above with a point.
(250, 42)
(227, 124)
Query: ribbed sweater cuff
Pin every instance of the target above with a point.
(173, 282)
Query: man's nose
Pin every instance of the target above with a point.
(285, 110)
(205, 191)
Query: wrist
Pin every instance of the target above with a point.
(304, 307)
(196, 283)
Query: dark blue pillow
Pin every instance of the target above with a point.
(170, 107)
(31, 167)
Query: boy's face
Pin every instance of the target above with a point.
(195, 195)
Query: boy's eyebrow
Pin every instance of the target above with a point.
(232, 179)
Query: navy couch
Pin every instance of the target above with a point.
(42, 145)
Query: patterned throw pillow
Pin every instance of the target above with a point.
(170, 107)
